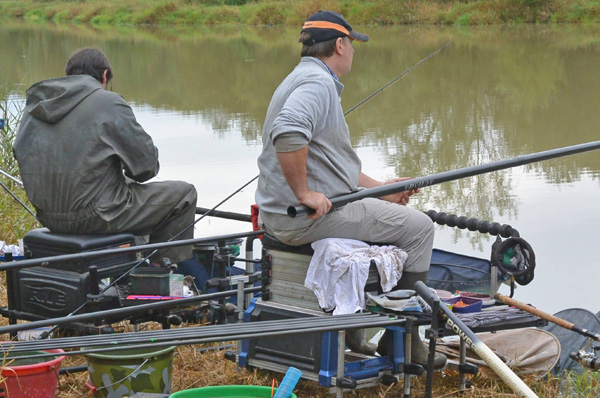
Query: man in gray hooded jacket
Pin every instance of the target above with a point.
(83, 157)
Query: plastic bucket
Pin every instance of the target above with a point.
(31, 377)
(227, 391)
(126, 372)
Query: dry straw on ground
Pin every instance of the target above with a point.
(195, 368)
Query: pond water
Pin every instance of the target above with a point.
(494, 93)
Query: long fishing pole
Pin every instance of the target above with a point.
(420, 182)
(394, 80)
(143, 260)
(475, 343)
(46, 261)
(134, 248)
(170, 240)
(4, 173)
(321, 325)
(544, 315)
(182, 333)
(250, 181)
(71, 318)
(224, 214)
(15, 197)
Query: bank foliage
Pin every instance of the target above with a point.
(293, 12)
(15, 221)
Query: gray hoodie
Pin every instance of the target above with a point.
(307, 102)
(75, 145)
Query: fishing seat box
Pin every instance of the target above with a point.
(43, 243)
(289, 266)
(287, 298)
(59, 288)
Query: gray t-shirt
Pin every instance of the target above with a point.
(307, 102)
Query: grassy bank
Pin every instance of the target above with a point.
(293, 12)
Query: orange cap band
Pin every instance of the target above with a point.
(325, 25)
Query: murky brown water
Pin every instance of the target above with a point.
(494, 93)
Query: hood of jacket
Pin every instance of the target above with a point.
(51, 100)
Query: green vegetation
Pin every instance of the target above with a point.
(293, 12)
(15, 221)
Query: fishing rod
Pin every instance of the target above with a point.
(4, 173)
(7, 175)
(224, 214)
(71, 318)
(394, 80)
(184, 333)
(475, 343)
(420, 182)
(441, 218)
(544, 315)
(45, 261)
(209, 333)
(143, 260)
(15, 197)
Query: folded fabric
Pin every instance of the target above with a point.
(15, 250)
(339, 269)
(395, 304)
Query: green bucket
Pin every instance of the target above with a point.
(122, 373)
(227, 391)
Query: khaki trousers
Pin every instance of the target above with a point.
(376, 221)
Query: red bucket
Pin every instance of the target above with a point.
(31, 377)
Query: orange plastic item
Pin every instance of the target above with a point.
(460, 303)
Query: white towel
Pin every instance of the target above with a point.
(339, 269)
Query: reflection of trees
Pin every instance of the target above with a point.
(487, 97)
(224, 73)
(494, 93)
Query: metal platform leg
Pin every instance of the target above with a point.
(432, 335)
(339, 391)
(407, 354)
(462, 361)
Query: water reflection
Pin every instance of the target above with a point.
(495, 93)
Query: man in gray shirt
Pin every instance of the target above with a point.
(307, 157)
(83, 157)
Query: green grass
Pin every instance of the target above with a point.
(293, 12)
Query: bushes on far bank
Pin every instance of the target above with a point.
(292, 12)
